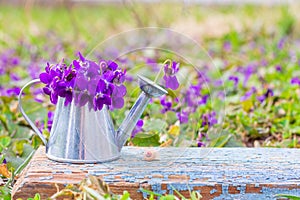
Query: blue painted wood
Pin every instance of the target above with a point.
(217, 173)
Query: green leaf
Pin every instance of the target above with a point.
(27, 150)
(4, 122)
(5, 193)
(18, 146)
(220, 141)
(150, 192)
(146, 140)
(295, 130)
(234, 142)
(5, 141)
(125, 196)
(36, 141)
(290, 197)
(171, 93)
(168, 197)
(195, 195)
(155, 125)
(37, 197)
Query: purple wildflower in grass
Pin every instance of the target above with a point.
(218, 83)
(170, 75)
(278, 68)
(199, 140)
(235, 80)
(227, 46)
(209, 119)
(264, 62)
(202, 78)
(221, 95)
(200, 144)
(262, 49)
(138, 128)
(248, 94)
(50, 120)
(183, 117)
(8, 61)
(262, 98)
(34, 70)
(14, 77)
(193, 97)
(281, 43)
(15, 91)
(248, 71)
(203, 99)
(167, 105)
(295, 81)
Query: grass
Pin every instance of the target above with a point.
(36, 34)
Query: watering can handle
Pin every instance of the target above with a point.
(37, 131)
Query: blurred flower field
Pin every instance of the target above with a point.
(243, 92)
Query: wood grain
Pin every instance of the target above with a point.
(217, 173)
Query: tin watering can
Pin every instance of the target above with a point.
(81, 135)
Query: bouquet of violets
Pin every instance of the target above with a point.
(94, 84)
(86, 83)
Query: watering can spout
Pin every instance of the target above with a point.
(149, 89)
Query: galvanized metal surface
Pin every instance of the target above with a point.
(81, 135)
(225, 173)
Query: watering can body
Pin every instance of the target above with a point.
(79, 134)
(82, 135)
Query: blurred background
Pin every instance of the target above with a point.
(244, 76)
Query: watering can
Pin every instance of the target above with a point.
(82, 135)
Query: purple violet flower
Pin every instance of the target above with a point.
(85, 82)
(295, 81)
(183, 117)
(169, 77)
(278, 68)
(281, 43)
(209, 119)
(14, 77)
(167, 105)
(15, 91)
(235, 80)
(269, 93)
(138, 128)
(248, 94)
(248, 71)
(199, 140)
(227, 46)
(50, 120)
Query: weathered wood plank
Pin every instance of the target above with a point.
(221, 173)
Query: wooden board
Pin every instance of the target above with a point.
(217, 173)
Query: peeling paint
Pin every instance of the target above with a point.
(267, 194)
(46, 178)
(224, 171)
(213, 191)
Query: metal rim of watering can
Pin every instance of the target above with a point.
(76, 161)
(155, 90)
